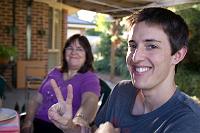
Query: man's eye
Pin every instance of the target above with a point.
(133, 46)
(151, 46)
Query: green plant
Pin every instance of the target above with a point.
(188, 81)
(192, 60)
(8, 52)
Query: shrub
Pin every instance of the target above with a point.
(8, 52)
(188, 81)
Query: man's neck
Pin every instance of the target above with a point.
(149, 100)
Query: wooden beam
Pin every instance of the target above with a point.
(166, 3)
(60, 6)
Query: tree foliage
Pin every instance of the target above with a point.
(188, 76)
(104, 48)
(191, 16)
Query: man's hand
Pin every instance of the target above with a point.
(107, 128)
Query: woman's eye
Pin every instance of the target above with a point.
(79, 49)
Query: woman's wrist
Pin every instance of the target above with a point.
(81, 116)
(81, 120)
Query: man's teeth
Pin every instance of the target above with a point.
(142, 69)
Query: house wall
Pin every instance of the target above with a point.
(39, 42)
(64, 27)
(5, 21)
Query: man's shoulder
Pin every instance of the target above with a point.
(187, 118)
(123, 90)
(189, 102)
(193, 105)
(124, 84)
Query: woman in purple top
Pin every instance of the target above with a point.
(75, 73)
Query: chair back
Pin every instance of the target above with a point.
(2, 86)
(104, 93)
(34, 76)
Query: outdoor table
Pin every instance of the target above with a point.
(9, 121)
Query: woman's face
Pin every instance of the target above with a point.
(75, 55)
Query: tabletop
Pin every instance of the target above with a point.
(9, 121)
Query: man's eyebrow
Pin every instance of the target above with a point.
(146, 40)
(152, 40)
(131, 41)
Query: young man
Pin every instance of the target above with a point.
(151, 101)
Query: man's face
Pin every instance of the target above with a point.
(149, 57)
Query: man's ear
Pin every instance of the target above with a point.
(179, 55)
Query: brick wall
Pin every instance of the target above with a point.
(39, 41)
(64, 26)
(6, 20)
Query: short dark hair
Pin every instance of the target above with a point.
(173, 25)
(83, 41)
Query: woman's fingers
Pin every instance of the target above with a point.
(69, 94)
(61, 113)
(63, 108)
(57, 91)
(54, 113)
(68, 102)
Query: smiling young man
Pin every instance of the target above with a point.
(151, 101)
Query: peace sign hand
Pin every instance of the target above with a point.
(61, 113)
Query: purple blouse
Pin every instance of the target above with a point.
(81, 82)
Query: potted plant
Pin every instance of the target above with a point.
(7, 53)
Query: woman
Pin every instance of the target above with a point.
(77, 71)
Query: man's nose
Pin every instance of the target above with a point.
(138, 55)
